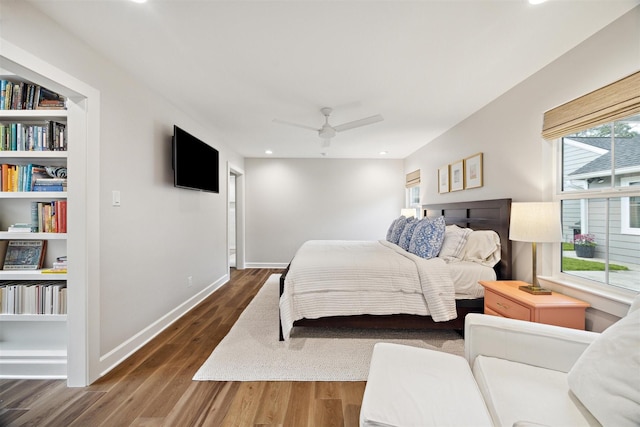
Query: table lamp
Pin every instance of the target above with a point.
(535, 222)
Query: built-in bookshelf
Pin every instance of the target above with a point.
(33, 306)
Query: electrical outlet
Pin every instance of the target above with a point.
(189, 281)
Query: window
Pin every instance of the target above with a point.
(413, 192)
(600, 194)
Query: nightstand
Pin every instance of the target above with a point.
(503, 298)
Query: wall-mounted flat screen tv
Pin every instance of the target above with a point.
(195, 163)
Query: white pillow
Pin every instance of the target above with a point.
(455, 239)
(483, 247)
(606, 377)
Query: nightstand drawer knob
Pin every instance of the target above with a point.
(505, 306)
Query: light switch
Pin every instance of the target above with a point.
(115, 197)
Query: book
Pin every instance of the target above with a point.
(50, 100)
(20, 228)
(24, 254)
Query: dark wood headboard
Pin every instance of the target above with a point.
(480, 215)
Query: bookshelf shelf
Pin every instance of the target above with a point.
(33, 114)
(33, 317)
(35, 155)
(6, 235)
(33, 195)
(31, 275)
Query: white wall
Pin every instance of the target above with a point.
(160, 234)
(517, 161)
(290, 201)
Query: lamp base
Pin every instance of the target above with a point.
(535, 290)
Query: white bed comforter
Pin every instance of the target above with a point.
(323, 270)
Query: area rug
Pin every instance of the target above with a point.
(251, 351)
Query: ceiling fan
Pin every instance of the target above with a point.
(326, 132)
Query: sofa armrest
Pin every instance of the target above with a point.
(537, 344)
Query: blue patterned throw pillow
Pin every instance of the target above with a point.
(390, 230)
(405, 236)
(397, 229)
(427, 237)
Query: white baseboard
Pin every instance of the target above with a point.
(127, 348)
(265, 265)
(33, 366)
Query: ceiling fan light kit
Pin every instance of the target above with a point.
(326, 132)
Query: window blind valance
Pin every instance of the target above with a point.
(612, 102)
(413, 178)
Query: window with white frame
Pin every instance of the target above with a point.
(600, 194)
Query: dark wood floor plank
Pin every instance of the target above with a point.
(154, 386)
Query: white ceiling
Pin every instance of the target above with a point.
(423, 65)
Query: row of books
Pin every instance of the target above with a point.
(50, 136)
(46, 217)
(28, 96)
(49, 217)
(25, 297)
(29, 177)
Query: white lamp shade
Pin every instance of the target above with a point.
(407, 213)
(535, 222)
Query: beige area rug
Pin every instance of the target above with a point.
(251, 351)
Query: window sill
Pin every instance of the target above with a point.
(604, 298)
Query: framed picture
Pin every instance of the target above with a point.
(443, 179)
(24, 254)
(456, 176)
(473, 171)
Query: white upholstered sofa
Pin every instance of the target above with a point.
(514, 373)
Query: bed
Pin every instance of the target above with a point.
(389, 296)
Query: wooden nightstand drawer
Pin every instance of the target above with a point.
(504, 298)
(506, 307)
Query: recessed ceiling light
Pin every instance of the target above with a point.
(536, 1)
(268, 152)
(139, 1)
(383, 153)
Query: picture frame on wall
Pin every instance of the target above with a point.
(456, 176)
(443, 179)
(473, 171)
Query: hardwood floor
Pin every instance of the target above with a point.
(153, 387)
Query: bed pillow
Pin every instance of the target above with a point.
(407, 233)
(482, 247)
(397, 229)
(427, 237)
(606, 376)
(390, 230)
(455, 239)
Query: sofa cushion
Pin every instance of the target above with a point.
(517, 392)
(606, 377)
(410, 386)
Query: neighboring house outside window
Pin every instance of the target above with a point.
(600, 194)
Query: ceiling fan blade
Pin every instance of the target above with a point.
(283, 122)
(357, 123)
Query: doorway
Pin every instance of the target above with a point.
(235, 217)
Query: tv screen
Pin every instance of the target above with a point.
(195, 163)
